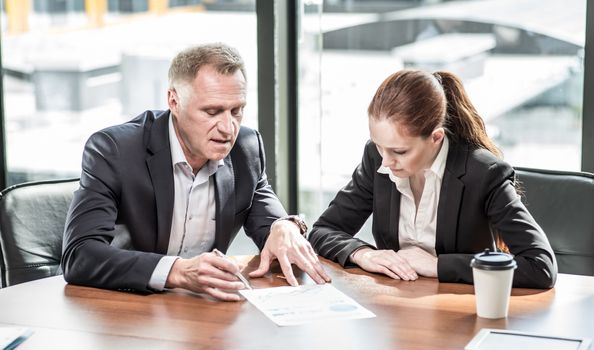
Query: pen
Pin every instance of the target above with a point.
(238, 274)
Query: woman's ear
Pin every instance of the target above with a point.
(437, 135)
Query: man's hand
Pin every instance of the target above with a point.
(286, 244)
(420, 260)
(206, 273)
(387, 262)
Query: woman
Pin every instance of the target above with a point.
(438, 190)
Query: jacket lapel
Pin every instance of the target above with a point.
(394, 213)
(159, 166)
(450, 198)
(385, 212)
(225, 203)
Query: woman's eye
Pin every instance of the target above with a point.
(400, 152)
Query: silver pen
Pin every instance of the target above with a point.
(238, 274)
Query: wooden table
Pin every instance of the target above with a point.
(423, 314)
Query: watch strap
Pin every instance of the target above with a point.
(297, 220)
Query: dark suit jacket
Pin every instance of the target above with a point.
(127, 181)
(477, 189)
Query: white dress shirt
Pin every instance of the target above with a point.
(417, 226)
(193, 223)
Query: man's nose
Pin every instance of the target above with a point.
(225, 124)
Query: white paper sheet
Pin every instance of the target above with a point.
(289, 306)
(10, 337)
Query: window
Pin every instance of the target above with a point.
(70, 70)
(521, 63)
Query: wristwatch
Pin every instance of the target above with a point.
(297, 220)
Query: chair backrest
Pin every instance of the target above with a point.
(32, 218)
(562, 203)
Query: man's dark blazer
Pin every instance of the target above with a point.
(477, 189)
(127, 180)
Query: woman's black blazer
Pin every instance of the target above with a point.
(477, 190)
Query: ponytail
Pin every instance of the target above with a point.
(462, 121)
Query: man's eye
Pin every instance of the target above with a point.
(237, 112)
(211, 112)
(399, 152)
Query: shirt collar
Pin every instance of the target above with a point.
(437, 167)
(178, 156)
(395, 179)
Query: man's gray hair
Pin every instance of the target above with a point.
(187, 63)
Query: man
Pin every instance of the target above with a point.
(180, 183)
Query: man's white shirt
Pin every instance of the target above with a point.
(193, 224)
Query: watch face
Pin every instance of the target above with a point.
(298, 221)
(302, 225)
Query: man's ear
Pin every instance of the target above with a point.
(437, 135)
(173, 101)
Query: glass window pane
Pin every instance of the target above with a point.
(310, 112)
(71, 70)
(521, 62)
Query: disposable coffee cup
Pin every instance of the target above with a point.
(493, 273)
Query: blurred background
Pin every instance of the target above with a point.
(72, 67)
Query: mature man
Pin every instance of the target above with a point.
(180, 183)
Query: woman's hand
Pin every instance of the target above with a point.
(424, 263)
(387, 262)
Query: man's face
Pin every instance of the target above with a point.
(208, 115)
(405, 155)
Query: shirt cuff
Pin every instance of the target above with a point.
(159, 276)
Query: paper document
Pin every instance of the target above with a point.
(289, 306)
(11, 337)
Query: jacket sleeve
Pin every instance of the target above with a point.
(332, 235)
(265, 206)
(511, 221)
(88, 257)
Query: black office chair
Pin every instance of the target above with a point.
(562, 203)
(32, 217)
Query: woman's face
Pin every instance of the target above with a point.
(405, 155)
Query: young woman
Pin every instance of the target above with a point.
(437, 188)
